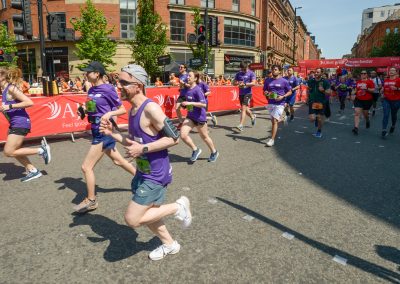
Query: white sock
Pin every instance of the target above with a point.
(40, 151)
(34, 170)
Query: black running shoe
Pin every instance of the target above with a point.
(391, 130)
(373, 113)
(367, 124)
(355, 131)
(384, 133)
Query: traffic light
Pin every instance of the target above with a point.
(24, 18)
(213, 28)
(201, 34)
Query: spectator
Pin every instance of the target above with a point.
(25, 88)
(158, 82)
(173, 80)
(77, 85)
(64, 85)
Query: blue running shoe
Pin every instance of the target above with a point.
(31, 176)
(213, 157)
(195, 155)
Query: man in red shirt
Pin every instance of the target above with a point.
(363, 99)
(391, 100)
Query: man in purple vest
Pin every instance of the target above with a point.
(151, 133)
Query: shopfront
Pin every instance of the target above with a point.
(57, 62)
(27, 63)
(232, 63)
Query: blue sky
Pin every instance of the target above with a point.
(335, 23)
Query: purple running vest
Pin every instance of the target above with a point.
(17, 117)
(160, 168)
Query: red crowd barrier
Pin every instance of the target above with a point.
(58, 114)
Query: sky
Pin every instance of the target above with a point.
(335, 23)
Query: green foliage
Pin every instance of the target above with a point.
(390, 46)
(7, 43)
(94, 44)
(150, 38)
(198, 51)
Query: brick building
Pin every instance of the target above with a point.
(374, 37)
(254, 30)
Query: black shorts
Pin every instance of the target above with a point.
(19, 131)
(365, 105)
(197, 123)
(245, 100)
(180, 99)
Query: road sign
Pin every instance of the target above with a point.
(257, 66)
(196, 62)
(164, 60)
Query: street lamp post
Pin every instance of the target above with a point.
(294, 32)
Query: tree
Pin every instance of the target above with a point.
(198, 49)
(94, 43)
(7, 43)
(390, 46)
(150, 38)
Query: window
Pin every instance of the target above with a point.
(387, 31)
(177, 2)
(239, 32)
(235, 5)
(253, 7)
(3, 4)
(177, 26)
(382, 14)
(370, 15)
(127, 18)
(211, 3)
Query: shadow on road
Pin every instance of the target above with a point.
(79, 187)
(11, 171)
(353, 168)
(389, 253)
(247, 138)
(352, 260)
(122, 238)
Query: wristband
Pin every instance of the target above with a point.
(10, 106)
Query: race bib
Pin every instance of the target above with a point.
(317, 106)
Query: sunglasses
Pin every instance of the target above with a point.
(364, 73)
(125, 83)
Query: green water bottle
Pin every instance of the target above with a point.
(189, 108)
(90, 106)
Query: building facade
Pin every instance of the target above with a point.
(252, 30)
(374, 37)
(375, 15)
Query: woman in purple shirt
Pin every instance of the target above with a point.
(102, 104)
(200, 81)
(13, 107)
(195, 105)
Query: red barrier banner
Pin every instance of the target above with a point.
(351, 62)
(58, 114)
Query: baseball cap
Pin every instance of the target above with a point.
(94, 66)
(136, 71)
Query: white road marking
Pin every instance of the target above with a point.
(340, 260)
(212, 200)
(248, 218)
(288, 236)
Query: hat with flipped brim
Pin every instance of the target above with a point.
(136, 71)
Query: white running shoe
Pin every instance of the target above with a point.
(270, 142)
(183, 212)
(164, 250)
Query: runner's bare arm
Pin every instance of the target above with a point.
(16, 93)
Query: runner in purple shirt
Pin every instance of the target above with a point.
(102, 104)
(183, 86)
(245, 79)
(206, 91)
(13, 107)
(290, 101)
(196, 117)
(276, 89)
(343, 89)
(151, 133)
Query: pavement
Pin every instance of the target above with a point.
(307, 210)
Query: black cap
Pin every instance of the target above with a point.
(94, 66)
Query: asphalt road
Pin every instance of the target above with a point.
(307, 210)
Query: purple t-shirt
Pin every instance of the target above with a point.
(279, 86)
(154, 166)
(293, 82)
(343, 88)
(245, 77)
(17, 117)
(204, 88)
(106, 99)
(197, 114)
(183, 78)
